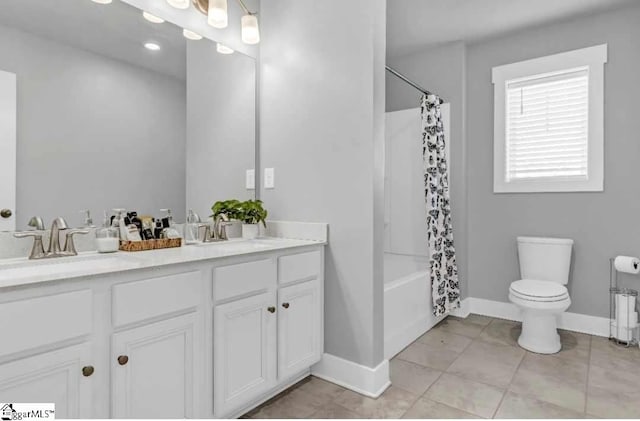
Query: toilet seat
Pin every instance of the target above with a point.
(538, 291)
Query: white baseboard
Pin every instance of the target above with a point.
(464, 310)
(582, 323)
(371, 382)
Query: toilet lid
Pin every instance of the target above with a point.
(539, 290)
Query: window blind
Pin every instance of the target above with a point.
(547, 122)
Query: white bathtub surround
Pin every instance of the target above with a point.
(230, 324)
(408, 310)
(371, 382)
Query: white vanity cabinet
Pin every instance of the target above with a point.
(153, 370)
(210, 338)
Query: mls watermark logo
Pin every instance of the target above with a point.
(26, 411)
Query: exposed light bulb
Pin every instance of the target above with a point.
(152, 46)
(223, 49)
(217, 14)
(179, 4)
(152, 18)
(250, 30)
(191, 35)
(102, 1)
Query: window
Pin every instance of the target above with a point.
(548, 123)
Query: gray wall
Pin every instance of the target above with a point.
(440, 70)
(221, 99)
(93, 132)
(602, 224)
(322, 117)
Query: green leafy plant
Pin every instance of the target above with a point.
(252, 212)
(231, 208)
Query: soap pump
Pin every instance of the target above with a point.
(107, 237)
(119, 223)
(192, 228)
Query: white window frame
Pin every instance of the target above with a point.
(592, 57)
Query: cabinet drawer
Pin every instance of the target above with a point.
(242, 279)
(296, 267)
(36, 322)
(140, 300)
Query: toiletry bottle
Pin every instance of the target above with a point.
(107, 237)
(192, 228)
(119, 222)
(170, 230)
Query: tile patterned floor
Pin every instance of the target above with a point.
(473, 368)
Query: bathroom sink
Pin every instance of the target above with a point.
(17, 269)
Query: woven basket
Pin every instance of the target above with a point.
(163, 243)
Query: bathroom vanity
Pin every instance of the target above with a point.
(195, 332)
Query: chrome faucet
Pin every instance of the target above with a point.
(219, 230)
(54, 250)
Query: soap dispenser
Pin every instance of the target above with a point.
(192, 228)
(119, 223)
(107, 237)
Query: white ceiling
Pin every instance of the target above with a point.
(115, 30)
(418, 24)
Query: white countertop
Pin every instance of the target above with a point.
(21, 271)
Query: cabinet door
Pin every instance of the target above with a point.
(244, 349)
(153, 370)
(299, 327)
(52, 377)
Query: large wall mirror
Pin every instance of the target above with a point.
(107, 109)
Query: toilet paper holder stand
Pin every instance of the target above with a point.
(625, 334)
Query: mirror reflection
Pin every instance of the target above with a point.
(114, 109)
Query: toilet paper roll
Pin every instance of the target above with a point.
(627, 264)
(625, 308)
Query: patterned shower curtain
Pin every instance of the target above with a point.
(445, 287)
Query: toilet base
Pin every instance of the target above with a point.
(539, 332)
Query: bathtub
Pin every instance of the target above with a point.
(408, 311)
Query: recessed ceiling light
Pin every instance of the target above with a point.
(223, 49)
(102, 1)
(191, 35)
(179, 4)
(152, 18)
(152, 46)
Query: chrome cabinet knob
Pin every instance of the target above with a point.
(6, 213)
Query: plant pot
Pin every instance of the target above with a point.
(250, 231)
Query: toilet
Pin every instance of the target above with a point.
(542, 294)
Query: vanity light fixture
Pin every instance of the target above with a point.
(179, 4)
(218, 17)
(250, 30)
(223, 49)
(152, 18)
(152, 46)
(102, 1)
(191, 35)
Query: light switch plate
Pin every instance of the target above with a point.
(269, 178)
(250, 181)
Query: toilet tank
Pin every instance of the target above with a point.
(545, 259)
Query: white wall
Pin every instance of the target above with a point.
(93, 132)
(322, 129)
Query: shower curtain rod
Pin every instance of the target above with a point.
(410, 82)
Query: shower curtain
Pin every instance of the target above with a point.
(445, 287)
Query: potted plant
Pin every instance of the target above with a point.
(229, 208)
(252, 213)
